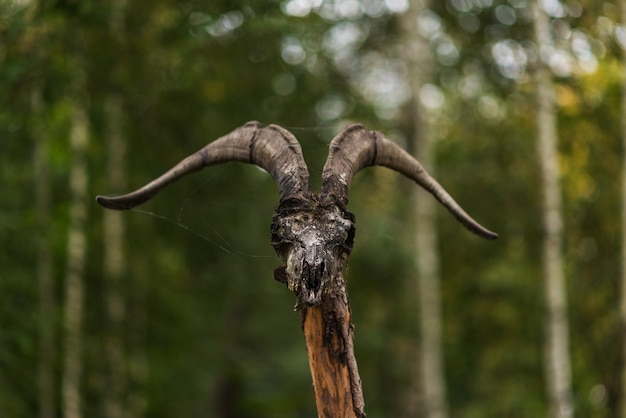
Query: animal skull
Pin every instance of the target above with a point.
(314, 240)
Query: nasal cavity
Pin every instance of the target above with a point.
(312, 275)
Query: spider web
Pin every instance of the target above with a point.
(209, 229)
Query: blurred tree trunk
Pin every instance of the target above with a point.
(557, 359)
(431, 378)
(47, 299)
(76, 258)
(137, 332)
(114, 259)
(115, 266)
(622, 407)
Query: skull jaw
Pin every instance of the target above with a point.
(310, 297)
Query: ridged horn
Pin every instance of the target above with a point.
(272, 148)
(356, 147)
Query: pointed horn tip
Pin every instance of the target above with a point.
(492, 235)
(487, 234)
(112, 203)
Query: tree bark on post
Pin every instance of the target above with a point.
(315, 237)
(329, 336)
(557, 359)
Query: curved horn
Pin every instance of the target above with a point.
(356, 147)
(271, 148)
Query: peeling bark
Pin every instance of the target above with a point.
(315, 238)
(329, 335)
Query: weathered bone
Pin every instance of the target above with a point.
(356, 147)
(314, 239)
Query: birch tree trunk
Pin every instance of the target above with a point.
(114, 266)
(47, 299)
(431, 365)
(76, 257)
(557, 359)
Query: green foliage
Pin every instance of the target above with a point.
(207, 331)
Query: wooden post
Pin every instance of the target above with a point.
(315, 237)
(329, 334)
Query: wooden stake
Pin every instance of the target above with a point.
(329, 334)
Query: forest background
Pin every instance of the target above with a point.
(170, 310)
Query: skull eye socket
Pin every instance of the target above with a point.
(280, 242)
(348, 238)
(283, 248)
